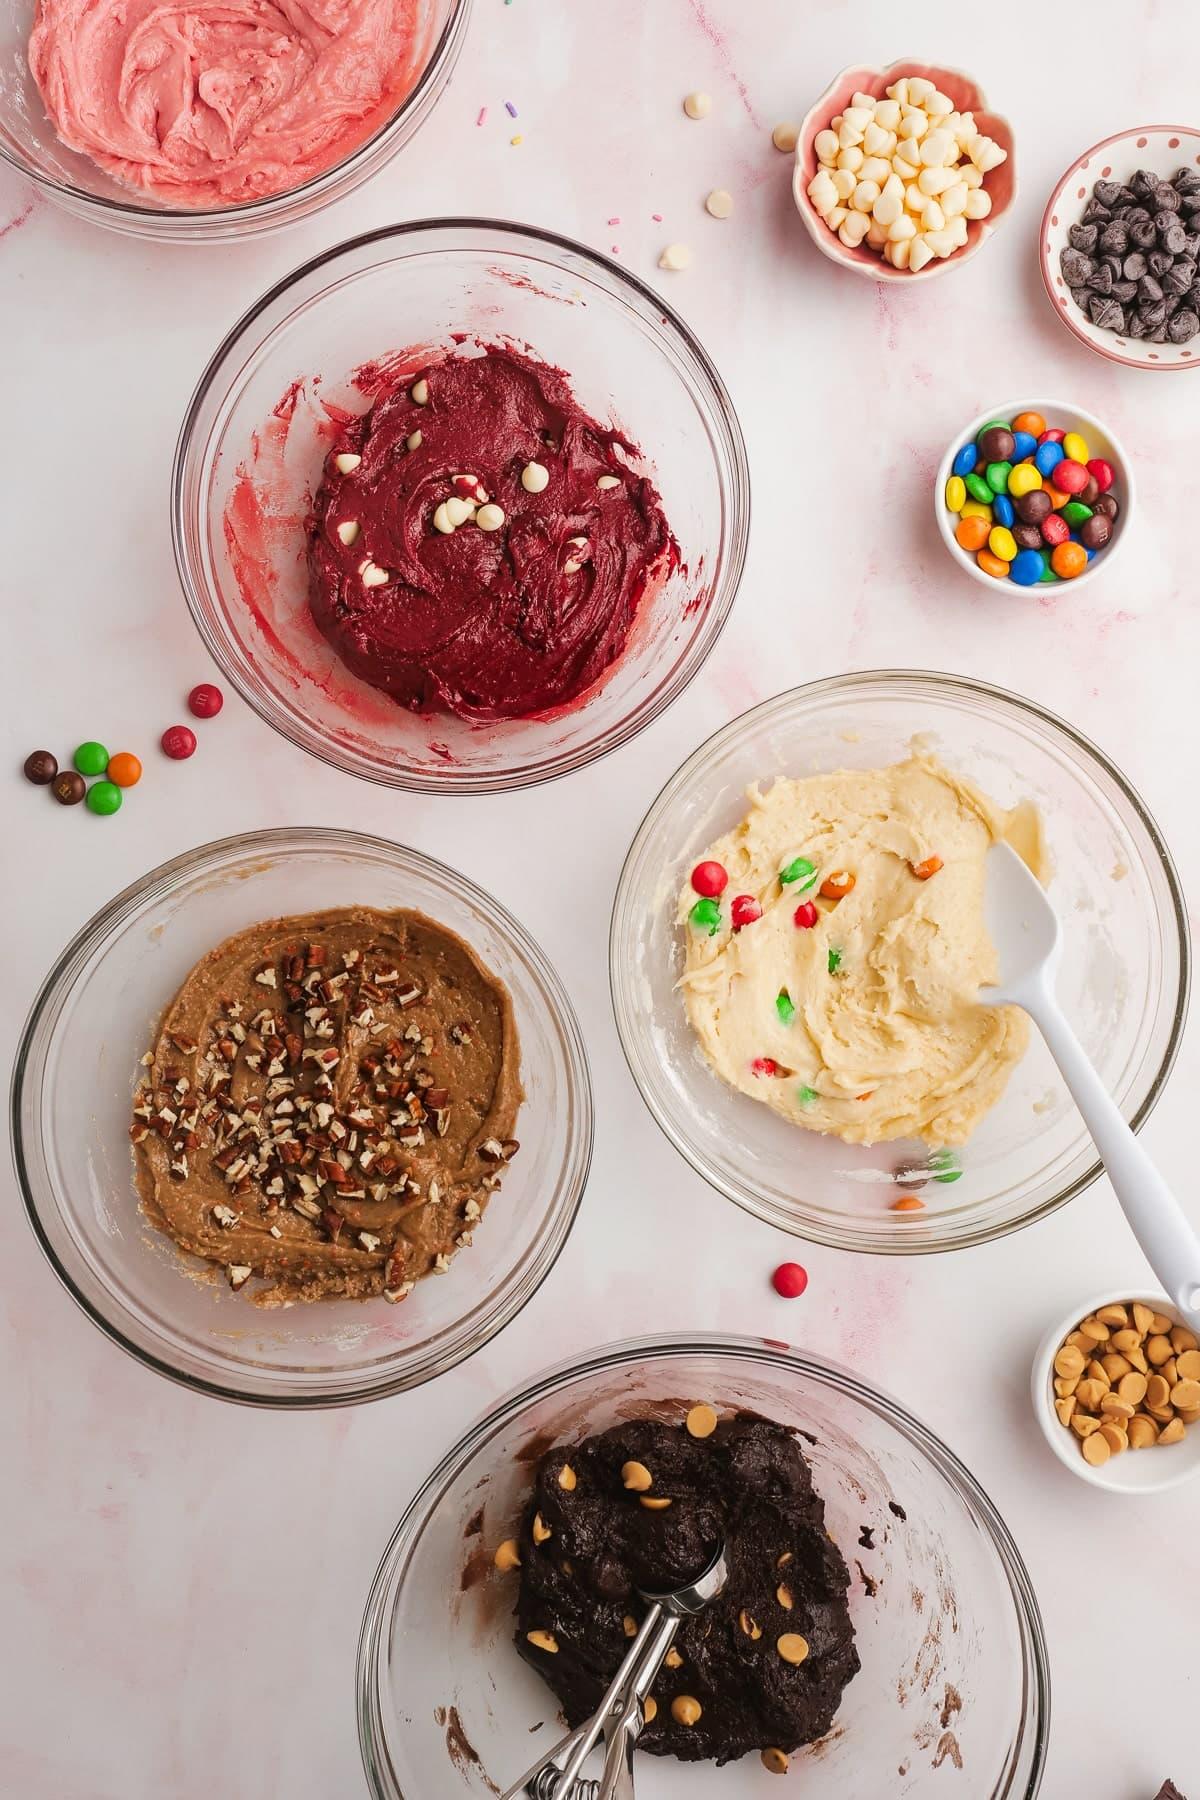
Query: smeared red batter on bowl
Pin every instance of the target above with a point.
(494, 623)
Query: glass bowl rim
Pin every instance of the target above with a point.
(161, 881)
(950, 684)
(664, 322)
(739, 1348)
(265, 211)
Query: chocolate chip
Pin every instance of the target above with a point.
(1153, 315)
(1142, 234)
(41, 768)
(1165, 199)
(1134, 266)
(1159, 334)
(1184, 326)
(1108, 314)
(1143, 183)
(1111, 193)
(69, 788)
(1115, 237)
(1076, 267)
(1093, 211)
(1083, 237)
(1135, 328)
(1124, 290)
(1102, 279)
(1149, 289)
(1159, 261)
(1187, 181)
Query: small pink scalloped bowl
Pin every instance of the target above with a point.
(1163, 148)
(1001, 183)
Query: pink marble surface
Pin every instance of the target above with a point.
(181, 1582)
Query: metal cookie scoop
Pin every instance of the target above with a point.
(620, 1715)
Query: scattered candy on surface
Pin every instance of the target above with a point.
(719, 204)
(1131, 262)
(697, 105)
(104, 797)
(91, 758)
(790, 1280)
(124, 770)
(69, 788)
(40, 767)
(675, 256)
(903, 174)
(1032, 507)
(205, 701)
(786, 136)
(178, 742)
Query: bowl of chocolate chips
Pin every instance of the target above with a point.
(1120, 248)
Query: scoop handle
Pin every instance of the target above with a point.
(1162, 1228)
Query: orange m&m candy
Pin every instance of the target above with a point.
(1031, 422)
(1068, 560)
(1058, 499)
(992, 565)
(124, 769)
(972, 533)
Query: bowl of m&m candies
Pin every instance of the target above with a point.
(1036, 494)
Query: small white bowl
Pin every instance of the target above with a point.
(1058, 416)
(1150, 1471)
(1163, 148)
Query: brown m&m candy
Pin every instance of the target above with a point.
(997, 444)
(69, 788)
(1033, 507)
(1095, 532)
(40, 767)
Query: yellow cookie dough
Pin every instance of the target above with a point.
(892, 1041)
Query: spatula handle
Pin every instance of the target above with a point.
(1159, 1223)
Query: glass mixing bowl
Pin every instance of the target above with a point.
(253, 445)
(30, 143)
(78, 1065)
(953, 1694)
(1123, 980)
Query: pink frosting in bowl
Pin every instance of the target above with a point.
(214, 103)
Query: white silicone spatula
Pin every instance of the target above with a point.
(1025, 930)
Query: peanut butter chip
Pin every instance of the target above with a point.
(751, 1627)
(1096, 1449)
(1158, 1349)
(685, 1710)
(701, 1422)
(567, 1479)
(781, 1562)
(541, 1531)
(1182, 1340)
(543, 1640)
(774, 1761)
(508, 1556)
(654, 1503)
(636, 1477)
(1083, 1424)
(1143, 1318)
(1142, 1432)
(1064, 1409)
(629, 1625)
(1132, 1387)
(1157, 1391)
(1114, 1437)
(1112, 1315)
(649, 1709)
(673, 1659)
(1096, 1330)
(1172, 1433)
(784, 1596)
(1068, 1362)
(1188, 1365)
(1185, 1395)
(792, 1647)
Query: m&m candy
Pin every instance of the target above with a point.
(709, 879)
(790, 1280)
(1031, 504)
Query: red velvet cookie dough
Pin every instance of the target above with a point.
(523, 603)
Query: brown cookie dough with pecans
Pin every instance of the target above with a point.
(329, 1105)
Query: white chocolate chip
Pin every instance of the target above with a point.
(605, 482)
(345, 462)
(373, 576)
(825, 144)
(348, 530)
(535, 477)
(719, 203)
(675, 256)
(418, 393)
(852, 158)
(490, 517)
(441, 519)
(853, 229)
(414, 440)
(786, 136)
(844, 183)
(458, 511)
(919, 253)
(978, 204)
(864, 196)
(697, 105)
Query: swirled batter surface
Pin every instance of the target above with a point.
(866, 1022)
(486, 623)
(210, 103)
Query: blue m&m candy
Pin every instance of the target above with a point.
(1002, 510)
(964, 462)
(1026, 567)
(1024, 444)
(1047, 457)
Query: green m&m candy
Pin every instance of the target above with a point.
(91, 758)
(104, 797)
(997, 474)
(978, 489)
(1075, 512)
(799, 869)
(944, 1164)
(706, 916)
(834, 961)
(806, 1095)
(785, 1006)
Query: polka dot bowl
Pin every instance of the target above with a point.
(967, 97)
(1162, 148)
(1149, 1471)
(1100, 441)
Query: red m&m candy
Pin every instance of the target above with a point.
(178, 742)
(805, 915)
(764, 1065)
(1054, 528)
(790, 1280)
(1101, 473)
(744, 910)
(205, 701)
(709, 879)
(1070, 477)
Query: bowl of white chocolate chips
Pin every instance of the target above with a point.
(902, 171)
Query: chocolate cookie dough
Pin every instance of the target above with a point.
(329, 1105)
(479, 543)
(768, 1660)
